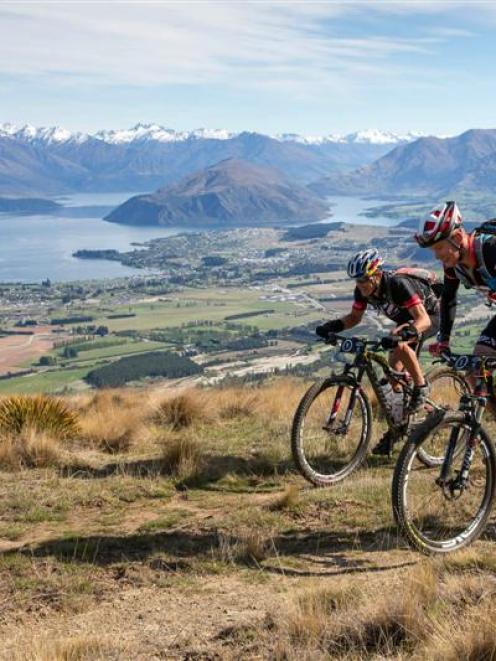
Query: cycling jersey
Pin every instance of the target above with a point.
(396, 295)
(471, 278)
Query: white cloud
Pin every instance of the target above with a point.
(245, 44)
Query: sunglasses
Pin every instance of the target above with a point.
(362, 281)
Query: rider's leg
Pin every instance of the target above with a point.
(397, 365)
(405, 355)
(486, 346)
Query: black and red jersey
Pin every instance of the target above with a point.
(396, 295)
(478, 276)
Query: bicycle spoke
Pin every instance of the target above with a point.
(330, 432)
(443, 516)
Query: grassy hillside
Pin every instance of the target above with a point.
(171, 524)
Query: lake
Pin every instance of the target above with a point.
(33, 248)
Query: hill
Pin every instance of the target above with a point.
(229, 193)
(187, 504)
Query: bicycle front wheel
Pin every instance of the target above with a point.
(446, 389)
(331, 431)
(439, 519)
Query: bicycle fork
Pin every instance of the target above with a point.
(454, 487)
(342, 429)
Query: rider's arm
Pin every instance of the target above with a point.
(448, 305)
(407, 296)
(357, 310)
(353, 318)
(421, 320)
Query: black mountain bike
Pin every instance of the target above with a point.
(443, 508)
(332, 426)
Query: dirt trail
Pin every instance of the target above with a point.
(194, 616)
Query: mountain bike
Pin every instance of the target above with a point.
(444, 508)
(332, 425)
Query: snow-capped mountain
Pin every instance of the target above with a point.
(368, 137)
(157, 133)
(52, 160)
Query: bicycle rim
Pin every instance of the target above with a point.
(326, 452)
(446, 388)
(432, 521)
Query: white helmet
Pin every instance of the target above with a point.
(364, 264)
(439, 225)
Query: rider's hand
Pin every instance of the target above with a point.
(397, 329)
(333, 326)
(407, 332)
(389, 342)
(437, 348)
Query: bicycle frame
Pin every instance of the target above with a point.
(363, 364)
(473, 407)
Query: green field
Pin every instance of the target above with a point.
(48, 382)
(95, 355)
(204, 304)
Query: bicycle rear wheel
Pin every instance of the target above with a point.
(331, 431)
(432, 518)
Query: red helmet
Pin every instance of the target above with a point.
(439, 225)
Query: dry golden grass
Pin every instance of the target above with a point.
(54, 648)
(289, 499)
(354, 620)
(235, 402)
(250, 546)
(473, 639)
(29, 449)
(182, 456)
(239, 519)
(274, 402)
(184, 410)
(112, 421)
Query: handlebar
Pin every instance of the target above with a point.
(358, 344)
(464, 362)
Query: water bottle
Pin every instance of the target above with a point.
(397, 406)
(387, 392)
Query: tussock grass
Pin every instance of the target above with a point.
(468, 560)
(184, 410)
(236, 403)
(288, 500)
(113, 421)
(182, 456)
(30, 449)
(474, 640)
(251, 546)
(274, 402)
(39, 412)
(352, 621)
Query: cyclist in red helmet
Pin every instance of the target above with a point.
(469, 258)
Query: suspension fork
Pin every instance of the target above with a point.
(343, 427)
(471, 443)
(474, 418)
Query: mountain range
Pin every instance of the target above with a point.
(51, 161)
(433, 166)
(230, 193)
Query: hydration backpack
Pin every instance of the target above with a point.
(481, 234)
(428, 278)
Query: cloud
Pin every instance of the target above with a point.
(292, 46)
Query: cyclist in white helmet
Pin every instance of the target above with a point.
(407, 300)
(469, 258)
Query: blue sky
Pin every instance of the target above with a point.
(305, 67)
